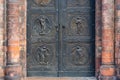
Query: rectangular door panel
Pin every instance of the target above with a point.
(78, 3)
(42, 38)
(37, 4)
(77, 59)
(77, 56)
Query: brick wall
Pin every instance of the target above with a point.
(16, 38)
(2, 38)
(107, 67)
(13, 67)
(117, 36)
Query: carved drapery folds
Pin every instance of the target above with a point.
(42, 25)
(79, 55)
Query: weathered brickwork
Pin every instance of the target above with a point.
(2, 38)
(13, 27)
(117, 34)
(22, 37)
(107, 70)
(13, 67)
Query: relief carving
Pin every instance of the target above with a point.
(79, 55)
(42, 2)
(78, 25)
(41, 55)
(42, 25)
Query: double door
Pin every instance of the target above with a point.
(60, 38)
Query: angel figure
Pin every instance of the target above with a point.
(42, 55)
(79, 25)
(78, 55)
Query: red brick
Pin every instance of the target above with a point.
(107, 70)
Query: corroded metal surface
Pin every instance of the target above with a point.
(61, 38)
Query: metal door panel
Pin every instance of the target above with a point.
(42, 38)
(77, 56)
(78, 3)
(43, 4)
(60, 38)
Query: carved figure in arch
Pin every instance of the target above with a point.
(78, 55)
(41, 25)
(79, 25)
(42, 54)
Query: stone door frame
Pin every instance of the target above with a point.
(15, 22)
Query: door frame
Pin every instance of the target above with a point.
(20, 57)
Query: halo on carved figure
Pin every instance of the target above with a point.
(79, 55)
(78, 24)
(42, 2)
(42, 25)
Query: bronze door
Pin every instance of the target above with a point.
(60, 38)
(77, 38)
